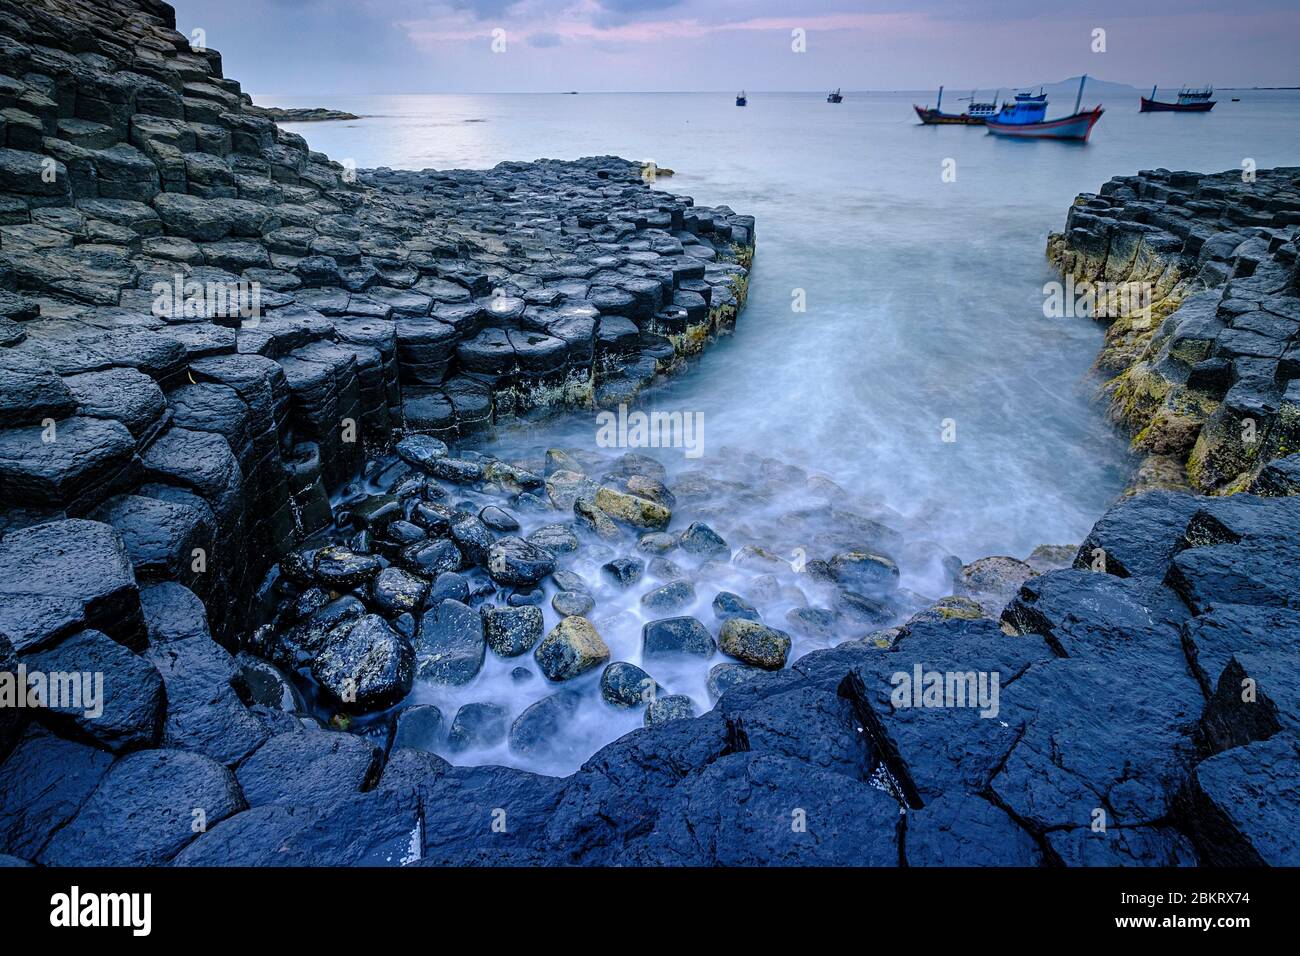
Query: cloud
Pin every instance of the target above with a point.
(329, 49)
(617, 12)
(484, 9)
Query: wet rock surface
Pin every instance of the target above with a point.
(279, 533)
(1196, 279)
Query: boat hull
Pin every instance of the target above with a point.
(1076, 127)
(932, 117)
(1155, 106)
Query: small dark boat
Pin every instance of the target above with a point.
(1026, 118)
(742, 99)
(975, 115)
(1189, 101)
(835, 96)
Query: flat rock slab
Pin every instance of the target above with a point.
(32, 621)
(43, 784)
(382, 828)
(97, 689)
(161, 537)
(1243, 803)
(57, 466)
(317, 766)
(80, 560)
(123, 394)
(203, 711)
(761, 810)
(144, 811)
(30, 391)
(963, 829)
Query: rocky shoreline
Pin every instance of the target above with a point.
(265, 527)
(1205, 374)
(280, 114)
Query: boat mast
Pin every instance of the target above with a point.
(939, 105)
(1079, 99)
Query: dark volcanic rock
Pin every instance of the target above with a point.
(723, 677)
(145, 810)
(1139, 536)
(478, 724)
(450, 648)
(667, 708)
(449, 301)
(1122, 846)
(342, 570)
(1242, 805)
(516, 562)
(727, 605)
(418, 727)
(676, 635)
(33, 621)
(12, 719)
(626, 685)
(30, 391)
(204, 712)
(315, 767)
(365, 665)
(110, 696)
(82, 560)
(86, 460)
(754, 643)
(368, 830)
(700, 539)
(536, 728)
(669, 597)
(396, 591)
(511, 631)
(572, 647)
(1081, 613)
(760, 810)
(42, 786)
(962, 829)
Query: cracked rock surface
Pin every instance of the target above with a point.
(160, 452)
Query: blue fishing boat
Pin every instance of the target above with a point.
(1026, 117)
(742, 99)
(835, 96)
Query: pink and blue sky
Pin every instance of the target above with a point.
(341, 47)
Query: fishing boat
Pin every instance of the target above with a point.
(1189, 101)
(835, 96)
(976, 114)
(742, 99)
(1026, 118)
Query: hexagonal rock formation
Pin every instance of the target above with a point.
(158, 451)
(1195, 276)
(205, 325)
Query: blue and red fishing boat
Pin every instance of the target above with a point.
(1189, 101)
(1026, 118)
